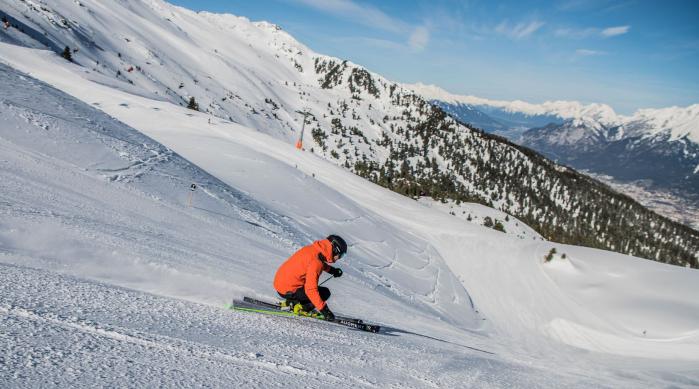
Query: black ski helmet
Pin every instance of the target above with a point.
(339, 245)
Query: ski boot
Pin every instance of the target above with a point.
(287, 305)
(300, 310)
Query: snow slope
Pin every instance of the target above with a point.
(477, 214)
(252, 73)
(82, 204)
(85, 197)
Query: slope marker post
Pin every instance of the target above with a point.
(192, 188)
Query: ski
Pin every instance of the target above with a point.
(277, 306)
(252, 305)
(360, 326)
(263, 303)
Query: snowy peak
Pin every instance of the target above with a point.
(600, 113)
(234, 68)
(433, 92)
(578, 133)
(678, 122)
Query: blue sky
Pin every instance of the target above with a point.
(629, 54)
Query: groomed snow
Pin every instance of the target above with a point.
(85, 213)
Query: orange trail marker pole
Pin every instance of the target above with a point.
(299, 142)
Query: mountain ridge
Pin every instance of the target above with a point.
(679, 121)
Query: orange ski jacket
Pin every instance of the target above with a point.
(303, 270)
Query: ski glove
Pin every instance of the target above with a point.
(335, 272)
(327, 314)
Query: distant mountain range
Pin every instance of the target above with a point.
(655, 148)
(624, 152)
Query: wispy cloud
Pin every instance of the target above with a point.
(417, 42)
(591, 5)
(519, 30)
(588, 52)
(582, 33)
(576, 33)
(614, 31)
(361, 13)
(369, 41)
(417, 37)
(619, 5)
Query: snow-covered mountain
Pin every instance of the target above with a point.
(257, 75)
(520, 113)
(655, 148)
(109, 277)
(252, 73)
(677, 122)
(478, 118)
(660, 153)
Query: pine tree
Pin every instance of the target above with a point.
(67, 54)
(193, 104)
(498, 226)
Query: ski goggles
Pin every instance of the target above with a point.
(336, 252)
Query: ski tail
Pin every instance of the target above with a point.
(359, 326)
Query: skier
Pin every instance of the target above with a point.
(297, 278)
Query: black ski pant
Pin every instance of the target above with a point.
(299, 295)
